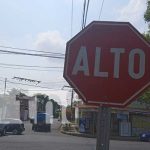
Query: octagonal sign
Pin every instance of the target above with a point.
(108, 63)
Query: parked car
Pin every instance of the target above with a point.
(2, 132)
(145, 136)
(15, 126)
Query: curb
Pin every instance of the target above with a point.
(93, 136)
(78, 134)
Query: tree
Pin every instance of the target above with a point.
(147, 12)
(56, 108)
(145, 99)
(147, 19)
(147, 36)
(42, 99)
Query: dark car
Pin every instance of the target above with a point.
(15, 126)
(2, 132)
(145, 136)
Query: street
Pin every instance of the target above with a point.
(57, 141)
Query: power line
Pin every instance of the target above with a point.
(30, 54)
(32, 50)
(26, 84)
(40, 89)
(60, 82)
(86, 13)
(71, 18)
(29, 66)
(26, 79)
(5, 67)
(101, 8)
(83, 14)
(47, 82)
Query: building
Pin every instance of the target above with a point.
(24, 106)
(130, 121)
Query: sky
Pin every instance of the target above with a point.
(46, 25)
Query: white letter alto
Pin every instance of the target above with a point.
(97, 72)
(81, 58)
(117, 52)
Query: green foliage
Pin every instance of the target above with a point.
(56, 108)
(147, 19)
(145, 98)
(147, 13)
(147, 36)
(42, 100)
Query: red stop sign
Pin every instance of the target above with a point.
(108, 63)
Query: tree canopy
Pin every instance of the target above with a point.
(147, 13)
(145, 97)
(42, 101)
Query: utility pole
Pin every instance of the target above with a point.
(103, 128)
(72, 104)
(72, 96)
(5, 86)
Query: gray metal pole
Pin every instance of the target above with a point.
(103, 128)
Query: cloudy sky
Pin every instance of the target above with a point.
(45, 25)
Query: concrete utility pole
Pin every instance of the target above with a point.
(72, 96)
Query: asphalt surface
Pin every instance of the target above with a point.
(57, 141)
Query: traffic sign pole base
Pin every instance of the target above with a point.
(103, 128)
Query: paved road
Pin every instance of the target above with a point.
(57, 141)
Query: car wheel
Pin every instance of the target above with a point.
(1, 134)
(15, 131)
(4, 132)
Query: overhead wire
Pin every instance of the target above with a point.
(72, 18)
(101, 8)
(45, 82)
(31, 54)
(18, 68)
(87, 7)
(31, 50)
(27, 84)
(16, 65)
(83, 14)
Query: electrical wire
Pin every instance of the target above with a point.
(30, 54)
(83, 14)
(26, 84)
(16, 65)
(101, 8)
(5, 67)
(30, 50)
(47, 82)
(72, 18)
(86, 13)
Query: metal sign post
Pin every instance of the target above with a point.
(103, 127)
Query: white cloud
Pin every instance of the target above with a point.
(51, 41)
(134, 13)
